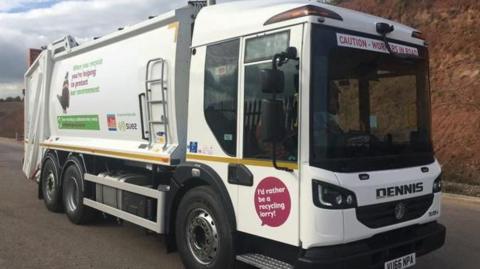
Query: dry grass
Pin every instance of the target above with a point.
(452, 31)
(461, 188)
(11, 119)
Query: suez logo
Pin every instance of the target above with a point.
(125, 126)
(399, 190)
(114, 124)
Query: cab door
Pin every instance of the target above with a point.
(268, 204)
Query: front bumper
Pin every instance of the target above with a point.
(372, 253)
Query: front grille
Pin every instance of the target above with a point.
(380, 215)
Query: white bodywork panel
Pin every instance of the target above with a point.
(36, 113)
(106, 108)
(91, 101)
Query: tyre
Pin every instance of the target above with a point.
(203, 233)
(50, 184)
(73, 193)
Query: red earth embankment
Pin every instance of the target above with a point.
(453, 33)
(11, 119)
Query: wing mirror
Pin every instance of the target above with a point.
(273, 114)
(291, 53)
(272, 120)
(273, 81)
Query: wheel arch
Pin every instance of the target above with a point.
(183, 181)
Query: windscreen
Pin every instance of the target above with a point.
(370, 110)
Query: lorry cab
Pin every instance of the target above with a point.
(354, 156)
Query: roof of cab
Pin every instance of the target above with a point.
(240, 18)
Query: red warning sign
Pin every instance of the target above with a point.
(272, 202)
(364, 43)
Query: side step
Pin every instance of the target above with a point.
(263, 262)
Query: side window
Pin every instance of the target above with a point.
(259, 52)
(221, 91)
(265, 47)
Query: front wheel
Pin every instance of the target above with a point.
(203, 233)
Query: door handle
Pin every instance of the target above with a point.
(141, 97)
(239, 174)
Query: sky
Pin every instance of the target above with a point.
(34, 23)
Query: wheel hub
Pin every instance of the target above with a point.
(202, 236)
(50, 185)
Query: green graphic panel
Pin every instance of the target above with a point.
(79, 122)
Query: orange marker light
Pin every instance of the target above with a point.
(418, 35)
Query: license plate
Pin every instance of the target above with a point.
(402, 262)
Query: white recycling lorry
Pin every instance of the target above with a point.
(281, 134)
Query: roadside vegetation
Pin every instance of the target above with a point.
(452, 32)
(11, 117)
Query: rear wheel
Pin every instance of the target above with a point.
(73, 193)
(50, 187)
(203, 233)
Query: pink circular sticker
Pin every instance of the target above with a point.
(272, 202)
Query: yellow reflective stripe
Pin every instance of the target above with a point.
(166, 160)
(109, 153)
(253, 162)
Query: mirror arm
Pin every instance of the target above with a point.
(277, 58)
(274, 159)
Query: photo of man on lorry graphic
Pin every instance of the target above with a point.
(64, 98)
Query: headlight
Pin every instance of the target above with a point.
(329, 196)
(437, 184)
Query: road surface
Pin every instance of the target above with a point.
(32, 237)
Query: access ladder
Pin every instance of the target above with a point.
(157, 123)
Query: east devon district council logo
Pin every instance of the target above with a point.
(64, 99)
(112, 122)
